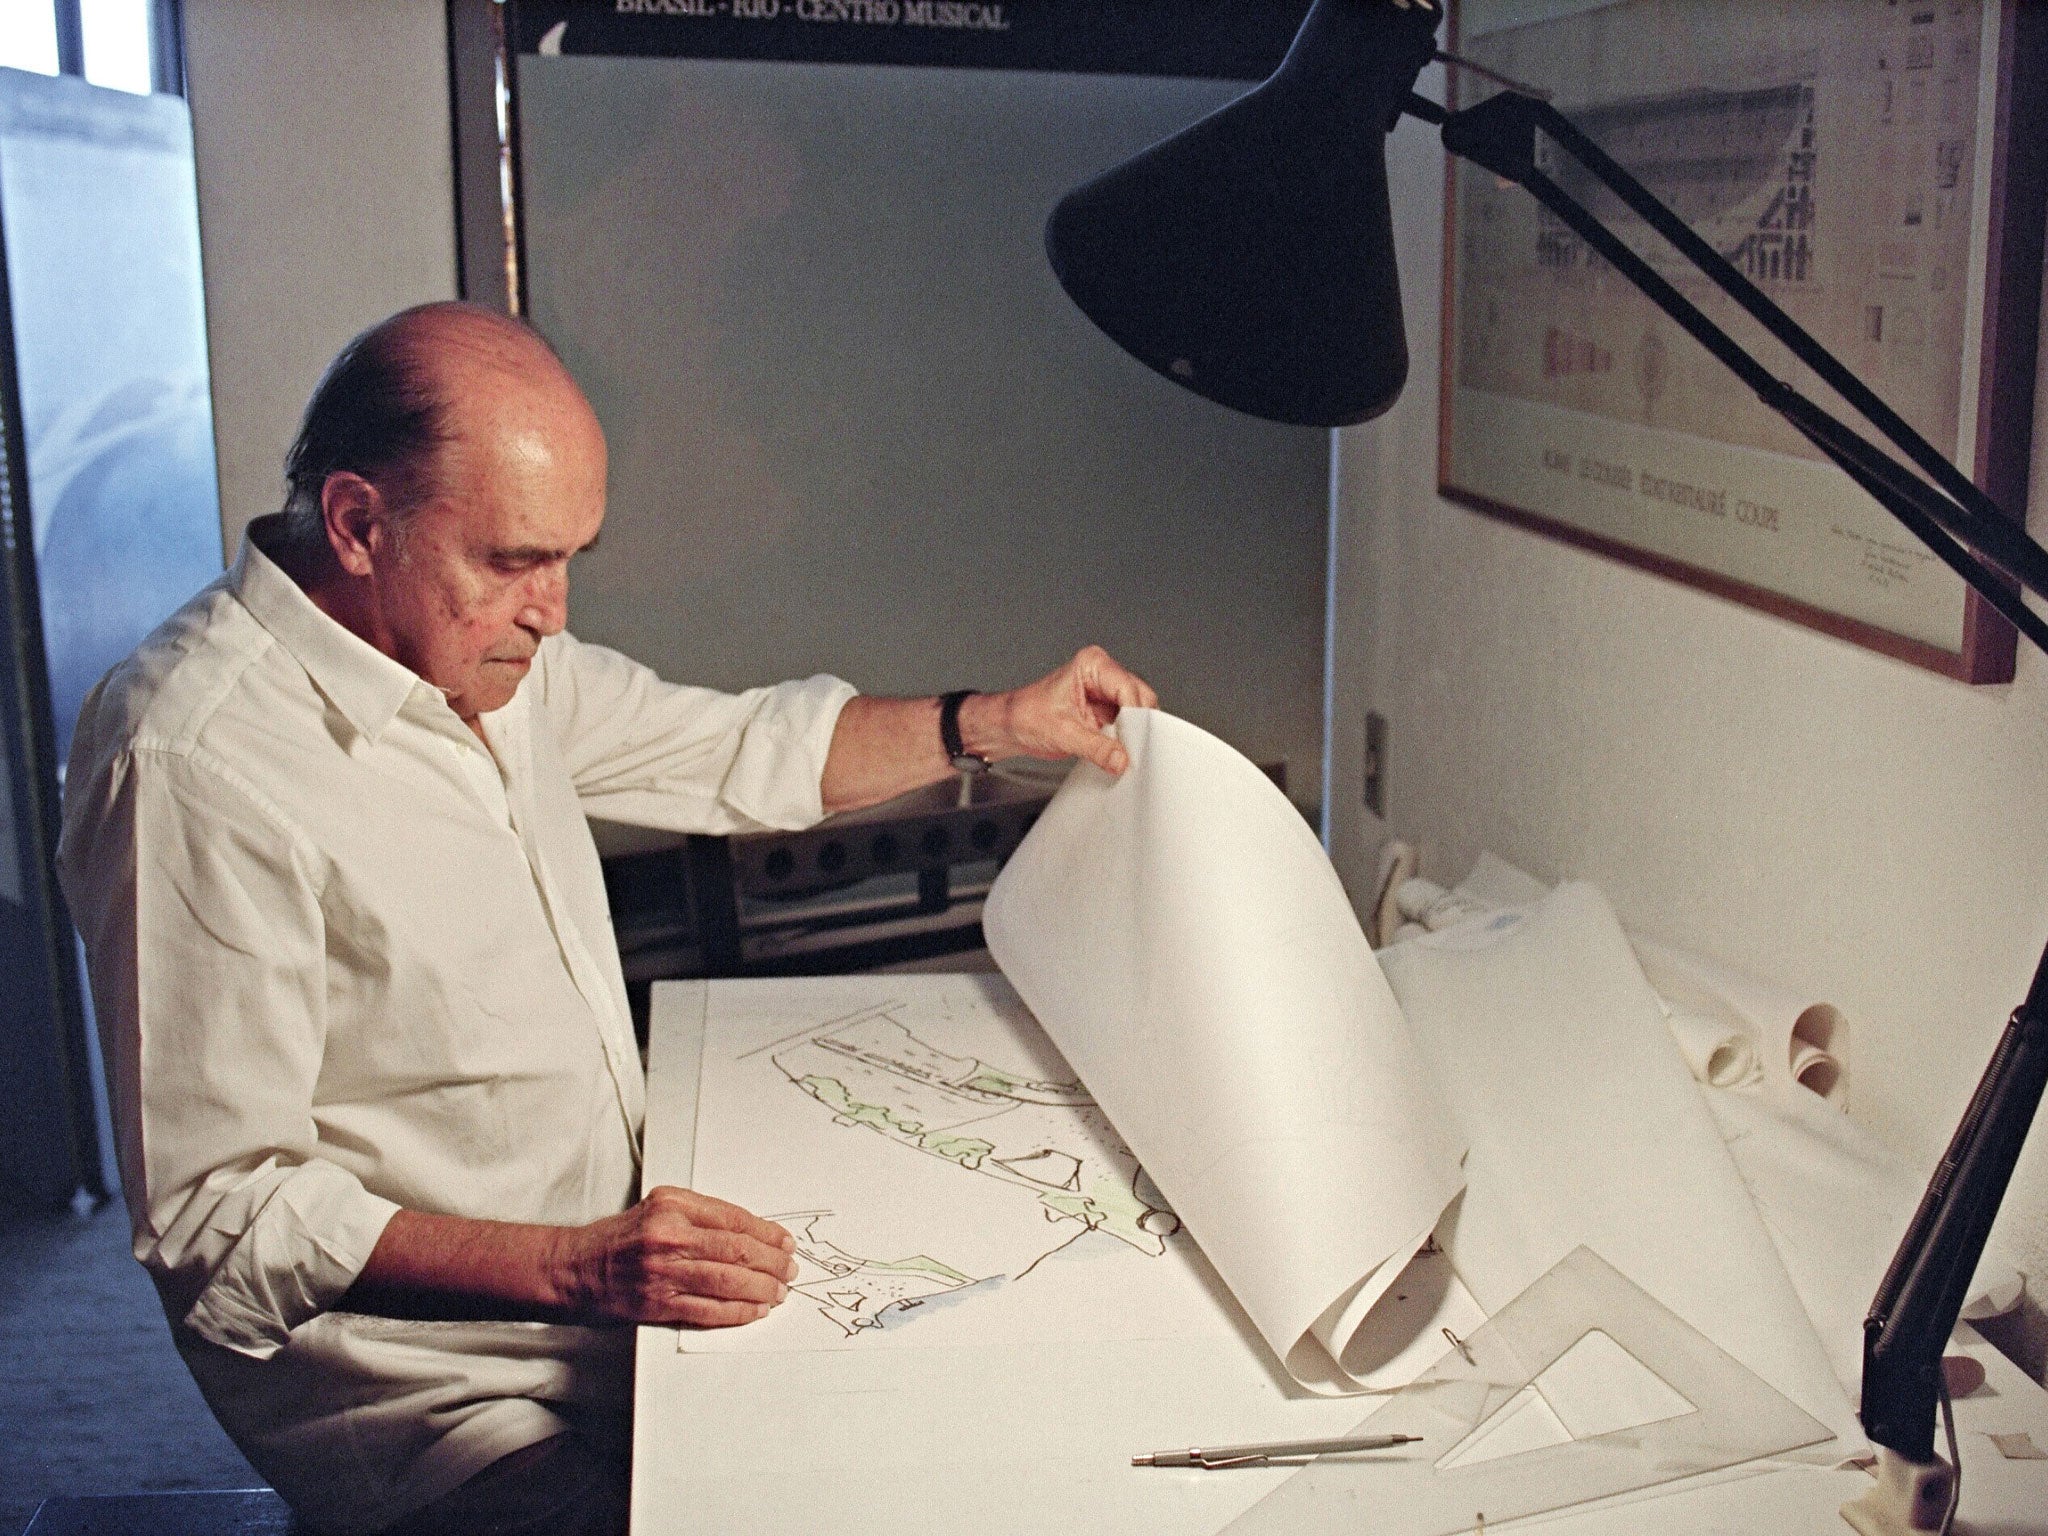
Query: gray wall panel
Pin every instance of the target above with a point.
(855, 425)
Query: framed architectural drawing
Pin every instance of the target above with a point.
(1877, 167)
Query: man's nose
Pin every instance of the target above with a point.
(546, 611)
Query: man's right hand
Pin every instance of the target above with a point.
(676, 1257)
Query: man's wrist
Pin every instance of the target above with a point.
(985, 726)
(561, 1276)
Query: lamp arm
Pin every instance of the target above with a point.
(1924, 511)
(1924, 1289)
(1922, 1293)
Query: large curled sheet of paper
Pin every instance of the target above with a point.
(1180, 934)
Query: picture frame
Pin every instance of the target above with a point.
(1878, 168)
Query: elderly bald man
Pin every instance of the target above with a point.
(377, 1095)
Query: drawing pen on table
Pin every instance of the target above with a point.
(1217, 1457)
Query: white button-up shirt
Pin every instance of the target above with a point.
(346, 958)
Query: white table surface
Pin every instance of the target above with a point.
(1039, 1441)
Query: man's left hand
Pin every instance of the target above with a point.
(1060, 715)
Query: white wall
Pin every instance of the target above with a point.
(1853, 827)
(326, 202)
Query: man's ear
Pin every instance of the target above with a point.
(356, 519)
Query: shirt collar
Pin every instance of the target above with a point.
(368, 687)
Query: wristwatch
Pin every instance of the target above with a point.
(949, 732)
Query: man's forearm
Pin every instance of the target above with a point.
(675, 1257)
(882, 748)
(427, 1265)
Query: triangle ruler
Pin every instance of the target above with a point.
(1710, 1412)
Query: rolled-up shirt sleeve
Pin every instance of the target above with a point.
(203, 919)
(648, 752)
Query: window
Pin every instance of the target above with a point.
(116, 34)
(126, 45)
(28, 36)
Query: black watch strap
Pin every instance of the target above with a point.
(949, 731)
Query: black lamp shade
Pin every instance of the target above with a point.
(1250, 257)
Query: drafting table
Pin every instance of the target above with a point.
(1040, 1440)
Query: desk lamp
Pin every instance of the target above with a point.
(1250, 258)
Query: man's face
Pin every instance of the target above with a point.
(469, 584)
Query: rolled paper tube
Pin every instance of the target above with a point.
(1398, 862)
(1802, 1044)
(1820, 1035)
(1415, 896)
(1817, 1070)
(1719, 1055)
(1996, 1291)
(1961, 1374)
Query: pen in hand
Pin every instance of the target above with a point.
(1220, 1456)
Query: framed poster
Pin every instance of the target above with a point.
(1877, 168)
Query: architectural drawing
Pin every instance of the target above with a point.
(930, 1152)
(1050, 1138)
